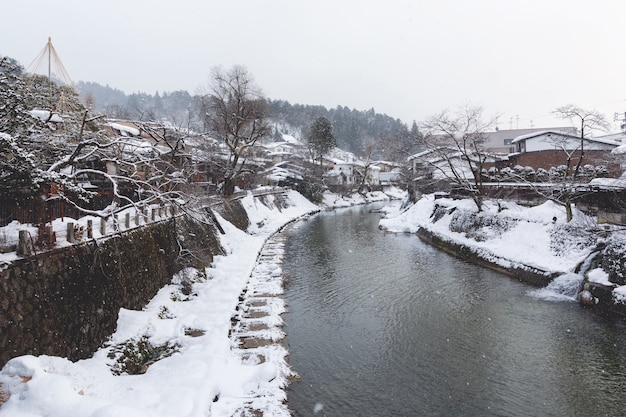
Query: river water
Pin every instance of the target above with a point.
(385, 325)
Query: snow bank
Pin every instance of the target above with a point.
(619, 294)
(525, 236)
(45, 116)
(331, 200)
(599, 276)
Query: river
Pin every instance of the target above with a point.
(382, 324)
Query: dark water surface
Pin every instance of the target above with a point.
(385, 325)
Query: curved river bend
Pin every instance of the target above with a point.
(385, 325)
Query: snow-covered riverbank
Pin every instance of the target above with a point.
(513, 236)
(201, 371)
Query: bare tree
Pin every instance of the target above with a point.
(367, 167)
(453, 143)
(586, 120)
(565, 180)
(236, 114)
(564, 184)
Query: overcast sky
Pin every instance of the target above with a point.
(407, 58)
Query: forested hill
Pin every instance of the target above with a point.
(354, 130)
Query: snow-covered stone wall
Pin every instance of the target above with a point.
(66, 302)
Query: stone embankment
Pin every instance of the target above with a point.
(527, 274)
(610, 257)
(65, 302)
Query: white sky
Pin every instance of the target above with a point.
(406, 58)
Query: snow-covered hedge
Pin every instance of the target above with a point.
(480, 226)
(614, 259)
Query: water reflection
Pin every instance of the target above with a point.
(381, 325)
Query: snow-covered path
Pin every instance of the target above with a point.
(257, 332)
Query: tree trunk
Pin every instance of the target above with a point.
(478, 200)
(228, 187)
(321, 167)
(568, 210)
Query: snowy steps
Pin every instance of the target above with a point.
(4, 394)
(256, 328)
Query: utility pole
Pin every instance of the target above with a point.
(616, 118)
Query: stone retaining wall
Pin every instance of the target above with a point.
(528, 275)
(65, 302)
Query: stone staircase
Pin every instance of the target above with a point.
(256, 331)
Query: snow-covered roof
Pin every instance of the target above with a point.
(388, 163)
(542, 133)
(616, 136)
(609, 183)
(279, 173)
(44, 116)
(497, 138)
(602, 140)
(437, 151)
(337, 161)
(279, 153)
(290, 139)
(563, 134)
(333, 173)
(272, 145)
(620, 150)
(124, 129)
(139, 146)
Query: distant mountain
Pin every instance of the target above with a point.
(177, 107)
(355, 130)
(104, 95)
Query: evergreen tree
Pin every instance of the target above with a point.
(320, 138)
(14, 112)
(19, 179)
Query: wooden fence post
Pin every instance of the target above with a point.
(70, 233)
(51, 236)
(103, 226)
(23, 246)
(127, 221)
(89, 229)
